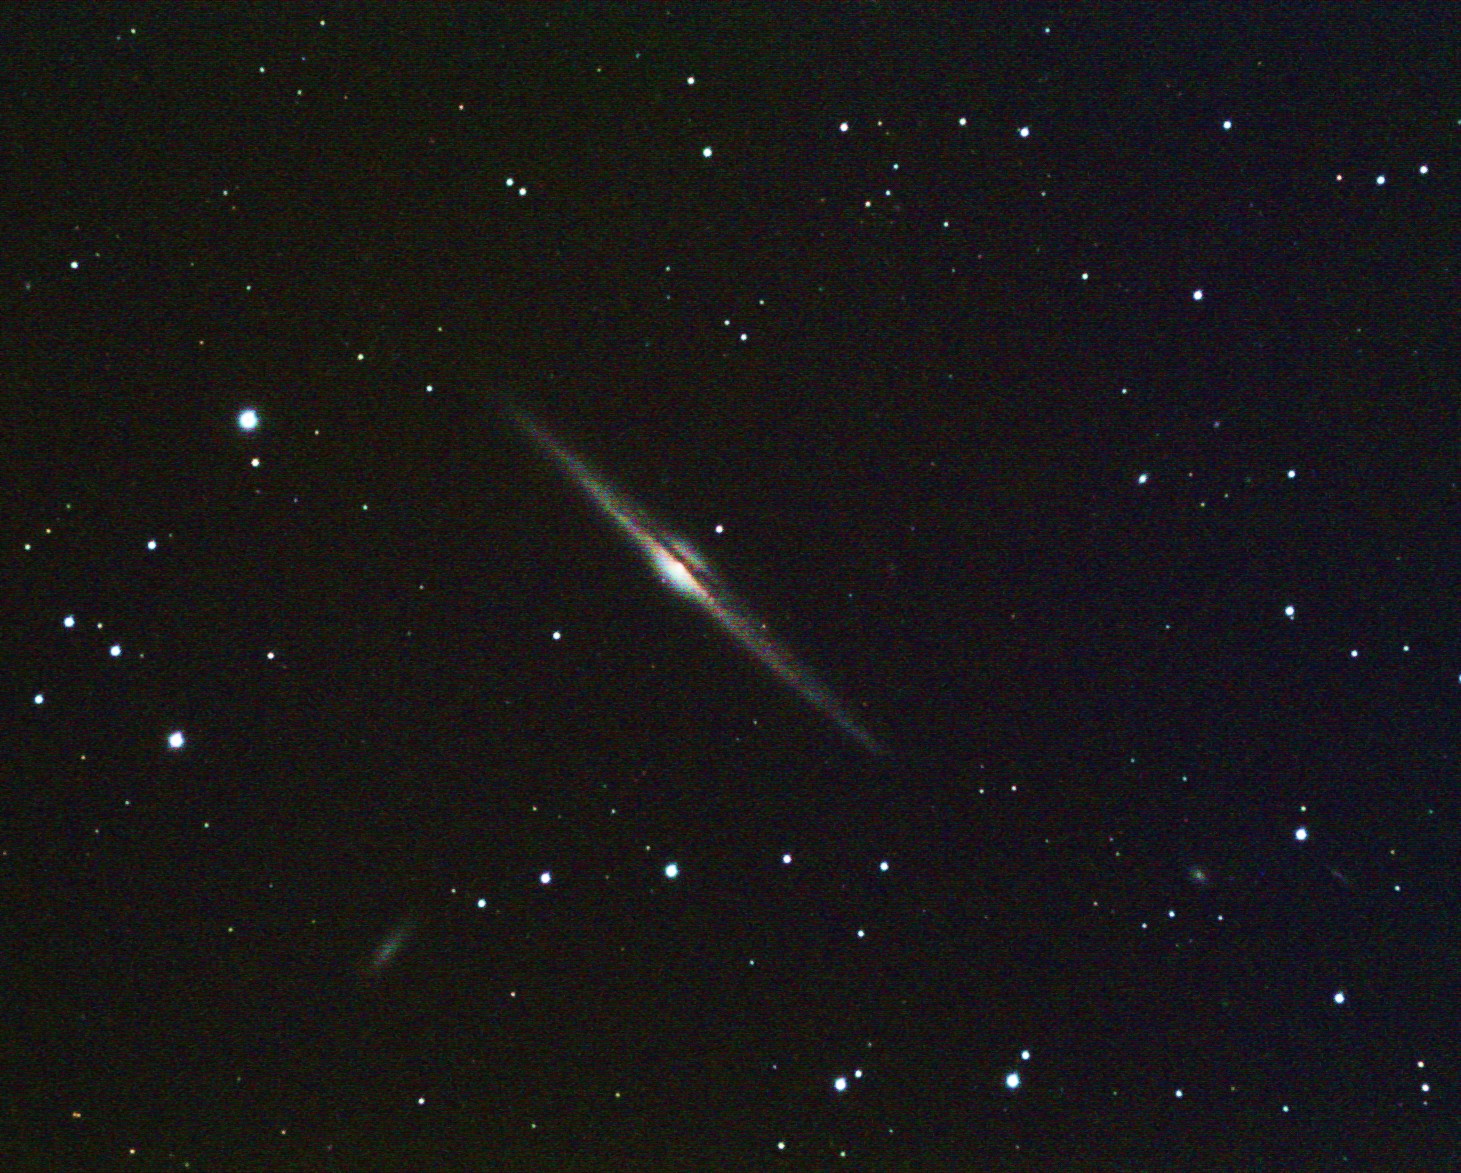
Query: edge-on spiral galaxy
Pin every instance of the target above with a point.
(681, 568)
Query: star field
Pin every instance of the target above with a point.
(1069, 399)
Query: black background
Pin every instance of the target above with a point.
(982, 457)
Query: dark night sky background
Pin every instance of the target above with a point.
(1155, 874)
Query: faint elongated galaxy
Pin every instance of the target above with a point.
(682, 569)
